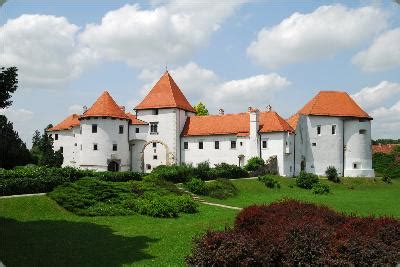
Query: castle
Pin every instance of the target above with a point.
(330, 130)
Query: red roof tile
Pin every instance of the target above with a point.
(293, 120)
(238, 124)
(135, 120)
(333, 103)
(105, 106)
(165, 94)
(383, 148)
(67, 123)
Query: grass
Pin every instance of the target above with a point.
(358, 196)
(35, 231)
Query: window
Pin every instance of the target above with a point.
(121, 129)
(362, 131)
(148, 166)
(264, 143)
(137, 130)
(153, 127)
(216, 144)
(185, 145)
(355, 165)
(61, 149)
(154, 156)
(56, 137)
(319, 129)
(94, 146)
(76, 144)
(314, 144)
(81, 146)
(115, 147)
(154, 144)
(155, 111)
(80, 130)
(241, 143)
(333, 129)
(94, 128)
(233, 144)
(50, 135)
(201, 145)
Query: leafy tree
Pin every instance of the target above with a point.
(13, 151)
(201, 109)
(42, 150)
(8, 85)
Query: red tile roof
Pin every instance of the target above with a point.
(333, 103)
(135, 120)
(105, 106)
(165, 94)
(383, 148)
(293, 120)
(66, 124)
(238, 124)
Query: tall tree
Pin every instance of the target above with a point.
(43, 150)
(201, 109)
(8, 85)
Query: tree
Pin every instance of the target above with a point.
(13, 151)
(43, 152)
(201, 109)
(8, 85)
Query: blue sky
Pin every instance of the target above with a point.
(230, 54)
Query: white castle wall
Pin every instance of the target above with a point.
(67, 140)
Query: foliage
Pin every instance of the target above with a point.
(197, 186)
(173, 173)
(43, 152)
(229, 171)
(269, 181)
(221, 188)
(201, 109)
(39, 179)
(332, 174)
(320, 189)
(387, 164)
(297, 234)
(8, 85)
(385, 141)
(13, 149)
(93, 197)
(306, 180)
(254, 164)
(386, 178)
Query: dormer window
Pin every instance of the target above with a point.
(153, 127)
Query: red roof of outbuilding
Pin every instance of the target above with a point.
(105, 106)
(67, 123)
(293, 120)
(333, 103)
(165, 94)
(135, 120)
(383, 148)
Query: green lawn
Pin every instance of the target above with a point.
(35, 231)
(359, 196)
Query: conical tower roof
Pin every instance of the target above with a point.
(105, 106)
(165, 94)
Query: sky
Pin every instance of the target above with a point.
(227, 54)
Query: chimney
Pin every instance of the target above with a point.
(122, 108)
(269, 108)
(221, 111)
(84, 109)
(254, 136)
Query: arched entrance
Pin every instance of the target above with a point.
(155, 153)
(113, 166)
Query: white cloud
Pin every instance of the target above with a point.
(372, 97)
(201, 84)
(75, 109)
(382, 54)
(163, 34)
(43, 48)
(320, 34)
(386, 123)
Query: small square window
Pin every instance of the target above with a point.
(137, 130)
(185, 145)
(264, 144)
(76, 144)
(314, 144)
(241, 143)
(155, 111)
(154, 144)
(115, 147)
(333, 129)
(56, 137)
(94, 128)
(216, 144)
(355, 166)
(148, 166)
(94, 146)
(121, 129)
(319, 129)
(154, 156)
(233, 144)
(201, 145)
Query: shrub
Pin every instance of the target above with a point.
(173, 173)
(118, 176)
(332, 174)
(320, 189)
(221, 188)
(254, 163)
(203, 171)
(197, 186)
(269, 181)
(297, 234)
(386, 178)
(306, 180)
(229, 171)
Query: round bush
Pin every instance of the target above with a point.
(332, 175)
(196, 186)
(306, 180)
(269, 181)
(320, 189)
(254, 164)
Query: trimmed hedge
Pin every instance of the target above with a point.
(293, 233)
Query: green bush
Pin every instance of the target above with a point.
(197, 186)
(203, 171)
(174, 173)
(332, 175)
(221, 188)
(229, 171)
(320, 189)
(387, 164)
(269, 181)
(119, 176)
(306, 180)
(254, 163)
(94, 197)
(386, 178)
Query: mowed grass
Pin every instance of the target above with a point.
(358, 196)
(35, 231)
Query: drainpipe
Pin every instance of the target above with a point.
(343, 147)
(294, 154)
